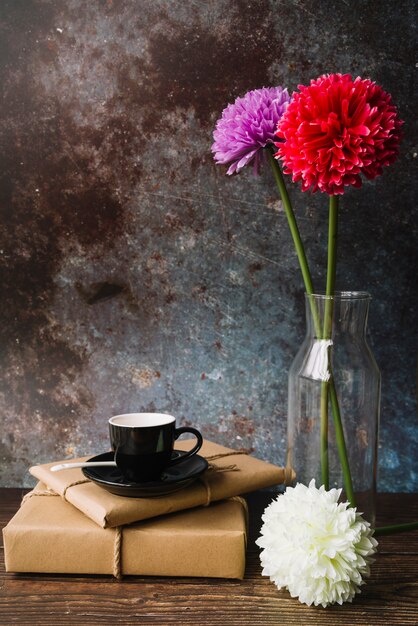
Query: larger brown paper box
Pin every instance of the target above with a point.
(108, 510)
(49, 535)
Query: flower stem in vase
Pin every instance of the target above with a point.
(324, 435)
(342, 448)
(328, 390)
(327, 332)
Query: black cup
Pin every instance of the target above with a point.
(143, 444)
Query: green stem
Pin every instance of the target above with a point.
(323, 430)
(396, 528)
(342, 448)
(332, 265)
(328, 389)
(327, 331)
(294, 230)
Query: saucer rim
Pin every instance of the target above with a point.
(156, 484)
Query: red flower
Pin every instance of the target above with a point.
(336, 129)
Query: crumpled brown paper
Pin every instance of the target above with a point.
(49, 535)
(109, 510)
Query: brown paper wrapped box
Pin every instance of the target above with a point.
(109, 510)
(49, 535)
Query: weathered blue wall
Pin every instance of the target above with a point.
(134, 274)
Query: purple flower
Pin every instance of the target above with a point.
(247, 126)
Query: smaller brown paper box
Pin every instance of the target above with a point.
(48, 535)
(109, 510)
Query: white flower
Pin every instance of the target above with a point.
(316, 548)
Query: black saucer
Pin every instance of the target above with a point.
(172, 479)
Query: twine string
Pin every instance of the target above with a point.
(39, 492)
(206, 485)
(289, 475)
(222, 468)
(218, 469)
(222, 455)
(244, 505)
(76, 482)
(49, 492)
(117, 553)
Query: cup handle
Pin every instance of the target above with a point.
(199, 442)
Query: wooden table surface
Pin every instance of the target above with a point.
(389, 598)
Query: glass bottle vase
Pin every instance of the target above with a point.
(334, 400)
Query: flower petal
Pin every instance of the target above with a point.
(336, 129)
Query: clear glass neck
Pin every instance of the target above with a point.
(348, 310)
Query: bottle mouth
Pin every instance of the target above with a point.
(341, 295)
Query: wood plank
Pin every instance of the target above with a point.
(194, 603)
(390, 596)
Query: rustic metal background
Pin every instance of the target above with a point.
(134, 274)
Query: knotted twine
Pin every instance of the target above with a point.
(117, 546)
(219, 469)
